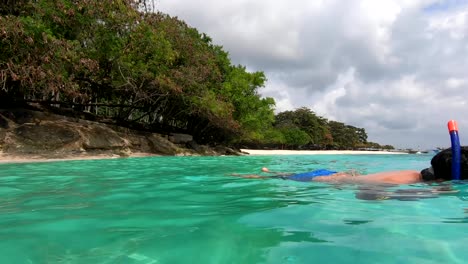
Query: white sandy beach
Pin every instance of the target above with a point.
(316, 152)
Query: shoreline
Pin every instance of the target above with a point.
(8, 158)
(318, 152)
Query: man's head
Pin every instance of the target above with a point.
(442, 166)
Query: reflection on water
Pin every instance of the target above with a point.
(189, 210)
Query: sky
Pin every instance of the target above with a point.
(398, 68)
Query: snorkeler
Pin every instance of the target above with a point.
(439, 171)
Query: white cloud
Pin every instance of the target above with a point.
(395, 67)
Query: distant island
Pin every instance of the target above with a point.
(89, 76)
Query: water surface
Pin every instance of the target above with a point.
(190, 210)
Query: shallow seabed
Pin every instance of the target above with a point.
(190, 210)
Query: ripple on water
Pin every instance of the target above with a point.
(189, 210)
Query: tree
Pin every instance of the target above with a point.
(322, 133)
(121, 62)
(295, 137)
(139, 69)
(305, 119)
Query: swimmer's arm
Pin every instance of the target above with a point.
(257, 176)
(249, 176)
(264, 169)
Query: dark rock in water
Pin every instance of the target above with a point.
(227, 151)
(217, 150)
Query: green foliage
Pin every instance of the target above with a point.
(294, 136)
(148, 70)
(32, 60)
(321, 133)
(13, 7)
(306, 120)
(274, 137)
(109, 58)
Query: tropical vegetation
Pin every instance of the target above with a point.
(118, 61)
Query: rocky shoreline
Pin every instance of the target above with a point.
(38, 135)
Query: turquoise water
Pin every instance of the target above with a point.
(189, 210)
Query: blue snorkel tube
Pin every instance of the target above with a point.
(456, 150)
